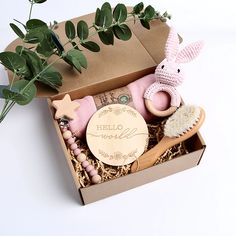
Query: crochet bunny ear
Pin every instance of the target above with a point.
(172, 45)
(188, 53)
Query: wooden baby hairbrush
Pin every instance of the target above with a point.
(183, 124)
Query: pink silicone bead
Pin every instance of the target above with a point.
(93, 172)
(73, 146)
(71, 140)
(89, 168)
(85, 164)
(67, 134)
(96, 179)
(77, 151)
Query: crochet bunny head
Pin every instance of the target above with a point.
(169, 71)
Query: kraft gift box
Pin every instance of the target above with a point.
(113, 67)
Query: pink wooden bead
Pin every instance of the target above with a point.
(67, 134)
(89, 168)
(85, 164)
(77, 151)
(93, 172)
(96, 179)
(73, 146)
(81, 157)
(71, 140)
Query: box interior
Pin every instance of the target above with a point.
(114, 67)
(194, 145)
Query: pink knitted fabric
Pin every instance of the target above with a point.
(158, 87)
(137, 88)
(172, 45)
(169, 73)
(188, 53)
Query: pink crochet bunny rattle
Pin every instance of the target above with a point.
(169, 75)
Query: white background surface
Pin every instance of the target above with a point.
(38, 196)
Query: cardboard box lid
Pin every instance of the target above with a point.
(144, 50)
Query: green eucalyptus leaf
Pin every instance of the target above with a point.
(39, 1)
(78, 57)
(19, 49)
(46, 45)
(17, 30)
(33, 61)
(122, 32)
(25, 71)
(35, 23)
(120, 13)
(145, 24)
(70, 30)
(82, 30)
(97, 16)
(107, 37)
(51, 77)
(19, 94)
(92, 46)
(35, 35)
(106, 5)
(105, 18)
(1, 89)
(71, 61)
(44, 49)
(149, 12)
(12, 61)
(138, 8)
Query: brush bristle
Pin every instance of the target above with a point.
(182, 121)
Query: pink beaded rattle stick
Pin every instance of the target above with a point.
(65, 111)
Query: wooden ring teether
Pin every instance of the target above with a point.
(151, 108)
(158, 87)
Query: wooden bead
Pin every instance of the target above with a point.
(81, 157)
(96, 179)
(67, 135)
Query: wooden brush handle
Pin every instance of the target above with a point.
(149, 158)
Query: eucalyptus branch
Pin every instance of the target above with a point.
(31, 64)
(14, 75)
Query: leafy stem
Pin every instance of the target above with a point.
(31, 9)
(6, 109)
(30, 63)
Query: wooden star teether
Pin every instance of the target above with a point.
(65, 107)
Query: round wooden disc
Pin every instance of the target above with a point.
(117, 134)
